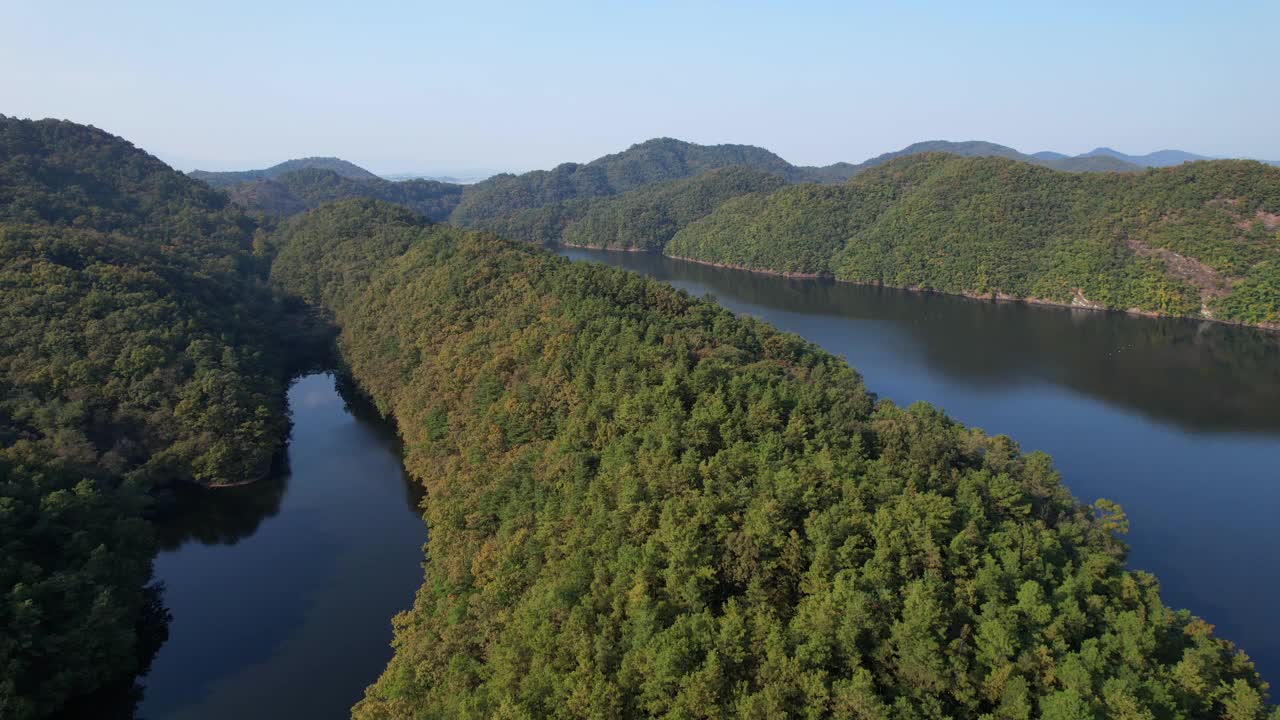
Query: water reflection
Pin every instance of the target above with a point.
(282, 592)
(221, 516)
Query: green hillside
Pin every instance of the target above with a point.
(649, 162)
(640, 219)
(643, 506)
(138, 347)
(1198, 240)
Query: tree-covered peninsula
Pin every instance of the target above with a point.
(643, 506)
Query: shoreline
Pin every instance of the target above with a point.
(1079, 304)
(604, 249)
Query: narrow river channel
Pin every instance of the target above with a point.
(282, 592)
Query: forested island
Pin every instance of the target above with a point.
(640, 505)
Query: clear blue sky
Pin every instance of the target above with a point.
(405, 86)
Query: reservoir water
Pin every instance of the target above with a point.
(282, 592)
(1177, 420)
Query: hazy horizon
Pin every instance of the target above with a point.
(401, 88)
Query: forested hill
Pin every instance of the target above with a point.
(139, 345)
(293, 192)
(646, 163)
(1196, 240)
(643, 506)
(343, 168)
(642, 219)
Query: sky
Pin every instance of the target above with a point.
(469, 86)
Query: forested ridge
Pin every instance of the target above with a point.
(1192, 240)
(139, 346)
(1197, 240)
(642, 506)
(643, 219)
(294, 185)
(539, 204)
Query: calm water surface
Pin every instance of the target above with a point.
(282, 592)
(1179, 421)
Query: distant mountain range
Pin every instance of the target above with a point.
(1159, 158)
(979, 148)
(495, 202)
(1102, 159)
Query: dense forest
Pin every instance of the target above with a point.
(643, 219)
(1199, 240)
(639, 504)
(139, 345)
(643, 506)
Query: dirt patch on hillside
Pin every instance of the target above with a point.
(1269, 221)
(1208, 281)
